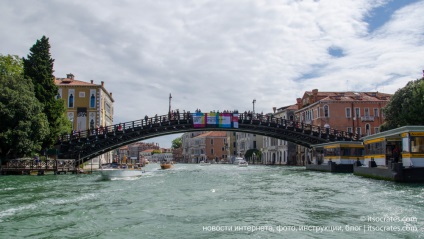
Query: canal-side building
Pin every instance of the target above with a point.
(356, 112)
(208, 146)
(359, 112)
(88, 106)
(187, 150)
(246, 141)
(277, 151)
(231, 145)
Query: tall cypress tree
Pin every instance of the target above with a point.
(39, 68)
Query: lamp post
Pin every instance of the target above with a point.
(254, 101)
(170, 97)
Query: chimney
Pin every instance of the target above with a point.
(274, 109)
(299, 103)
(110, 94)
(103, 83)
(70, 76)
(315, 94)
(91, 81)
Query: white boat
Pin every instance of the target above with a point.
(203, 163)
(120, 172)
(237, 160)
(242, 163)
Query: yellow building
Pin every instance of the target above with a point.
(88, 105)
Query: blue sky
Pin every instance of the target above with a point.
(220, 55)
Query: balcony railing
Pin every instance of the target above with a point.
(367, 118)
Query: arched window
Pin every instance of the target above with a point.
(71, 101)
(326, 111)
(92, 101)
(367, 129)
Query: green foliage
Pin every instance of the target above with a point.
(156, 151)
(11, 66)
(405, 107)
(250, 152)
(39, 68)
(176, 143)
(23, 123)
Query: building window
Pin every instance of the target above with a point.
(92, 101)
(376, 130)
(349, 129)
(357, 112)
(211, 151)
(326, 111)
(367, 129)
(348, 113)
(358, 130)
(71, 101)
(375, 112)
(211, 141)
(367, 111)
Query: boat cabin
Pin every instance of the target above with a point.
(339, 152)
(404, 144)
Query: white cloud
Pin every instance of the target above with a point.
(217, 55)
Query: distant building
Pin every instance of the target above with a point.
(88, 106)
(186, 146)
(277, 151)
(246, 141)
(177, 155)
(135, 149)
(210, 146)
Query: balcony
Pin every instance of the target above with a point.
(367, 118)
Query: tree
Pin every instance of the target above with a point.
(39, 68)
(405, 107)
(249, 153)
(23, 123)
(156, 151)
(176, 143)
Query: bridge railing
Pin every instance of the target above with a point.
(296, 125)
(160, 120)
(156, 120)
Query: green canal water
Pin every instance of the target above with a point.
(217, 201)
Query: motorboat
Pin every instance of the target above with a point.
(242, 163)
(120, 171)
(203, 163)
(166, 164)
(237, 160)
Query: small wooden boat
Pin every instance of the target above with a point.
(166, 165)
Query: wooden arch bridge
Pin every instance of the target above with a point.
(85, 145)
